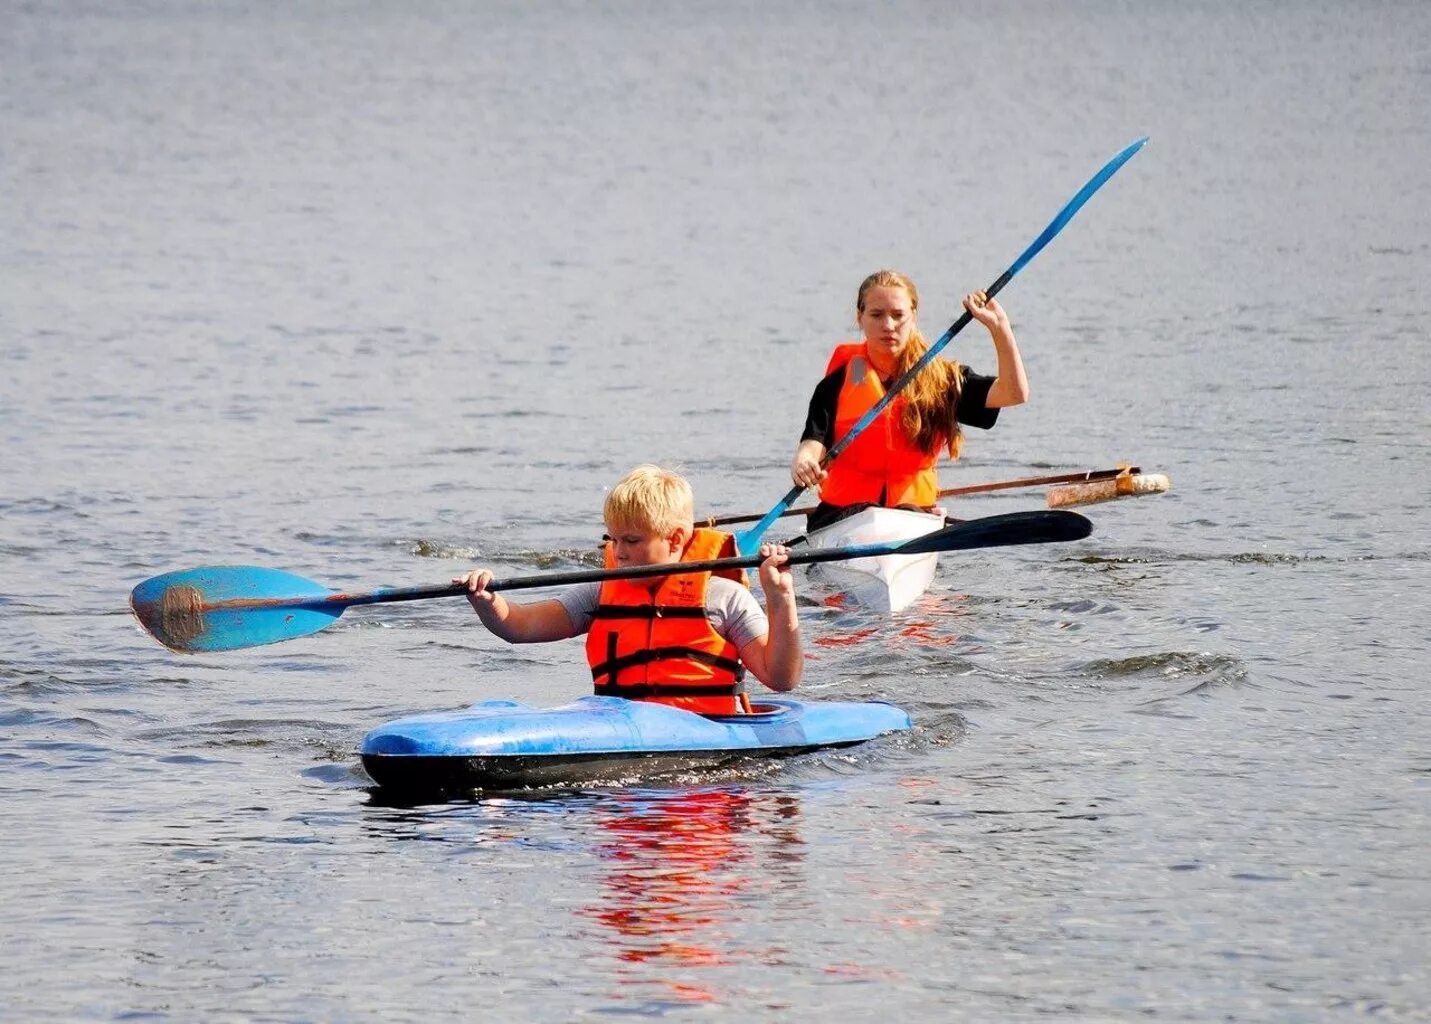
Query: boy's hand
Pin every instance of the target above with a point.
(477, 593)
(775, 577)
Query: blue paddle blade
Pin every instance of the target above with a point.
(1076, 203)
(747, 542)
(173, 607)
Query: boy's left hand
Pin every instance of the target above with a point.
(775, 577)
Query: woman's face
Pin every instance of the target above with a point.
(887, 321)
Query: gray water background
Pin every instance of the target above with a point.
(376, 292)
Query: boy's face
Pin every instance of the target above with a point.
(639, 546)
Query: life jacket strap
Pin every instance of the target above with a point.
(613, 665)
(645, 611)
(637, 691)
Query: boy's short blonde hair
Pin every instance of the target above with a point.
(653, 500)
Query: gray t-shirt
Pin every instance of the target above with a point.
(732, 611)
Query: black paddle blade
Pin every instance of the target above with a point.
(1003, 530)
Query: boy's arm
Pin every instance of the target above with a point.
(777, 658)
(533, 623)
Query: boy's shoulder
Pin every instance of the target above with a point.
(729, 593)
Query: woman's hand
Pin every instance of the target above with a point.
(805, 468)
(988, 312)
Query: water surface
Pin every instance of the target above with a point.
(374, 294)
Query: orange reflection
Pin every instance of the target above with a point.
(938, 615)
(924, 633)
(678, 863)
(845, 639)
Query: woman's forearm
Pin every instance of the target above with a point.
(1012, 385)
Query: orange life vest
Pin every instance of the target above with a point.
(881, 466)
(659, 646)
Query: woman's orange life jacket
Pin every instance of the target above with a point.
(881, 466)
(658, 645)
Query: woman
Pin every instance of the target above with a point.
(892, 462)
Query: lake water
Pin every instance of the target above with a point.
(377, 292)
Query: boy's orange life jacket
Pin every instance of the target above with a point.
(658, 645)
(881, 466)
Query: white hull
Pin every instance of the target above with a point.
(887, 582)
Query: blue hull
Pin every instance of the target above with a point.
(501, 744)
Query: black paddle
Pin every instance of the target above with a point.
(228, 607)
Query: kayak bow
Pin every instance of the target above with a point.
(503, 744)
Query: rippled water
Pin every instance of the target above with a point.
(373, 293)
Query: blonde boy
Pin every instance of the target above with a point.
(683, 639)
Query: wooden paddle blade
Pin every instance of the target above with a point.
(177, 608)
(1001, 531)
(1127, 485)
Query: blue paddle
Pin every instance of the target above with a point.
(227, 607)
(748, 540)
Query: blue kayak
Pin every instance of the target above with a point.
(502, 744)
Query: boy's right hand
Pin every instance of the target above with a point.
(476, 583)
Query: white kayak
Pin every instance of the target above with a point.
(887, 583)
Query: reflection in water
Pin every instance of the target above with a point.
(930, 622)
(678, 871)
(679, 866)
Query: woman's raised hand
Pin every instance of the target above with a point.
(987, 311)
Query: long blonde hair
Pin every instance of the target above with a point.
(931, 398)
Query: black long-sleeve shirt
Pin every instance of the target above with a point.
(973, 409)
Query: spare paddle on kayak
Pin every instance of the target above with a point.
(749, 540)
(227, 607)
(1129, 484)
(1088, 476)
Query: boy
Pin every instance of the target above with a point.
(684, 639)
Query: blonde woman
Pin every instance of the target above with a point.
(892, 463)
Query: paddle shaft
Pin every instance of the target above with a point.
(991, 531)
(954, 492)
(250, 605)
(554, 579)
(748, 539)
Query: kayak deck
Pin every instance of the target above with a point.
(503, 744)
(882, 583)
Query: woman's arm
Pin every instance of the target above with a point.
(805, 468)
(819, 433)
(1012, 385)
